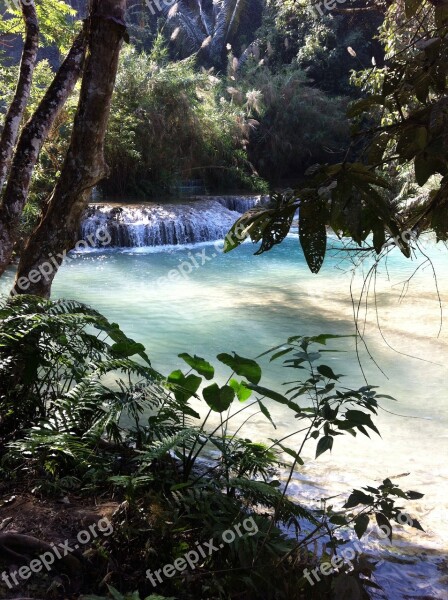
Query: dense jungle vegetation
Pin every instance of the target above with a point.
(339, 110)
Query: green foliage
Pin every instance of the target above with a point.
(94, 416)
(294, 123)
(401, 124)
(294, 32)
(410, 101)
(169, 122)
(54, 352)
(43, 75)
(57, 22)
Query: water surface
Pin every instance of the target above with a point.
(195, 299)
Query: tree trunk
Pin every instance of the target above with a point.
(14, 115)
(30, 144)
(84, 165)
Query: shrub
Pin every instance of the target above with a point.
(169, 123)
(98, 418)
(298, 124)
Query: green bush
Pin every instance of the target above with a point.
(170, 123)
(297, 124)
(295, 33)
(82, 410)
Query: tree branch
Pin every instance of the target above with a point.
(84, 164)
(30, 144)
(15, 113)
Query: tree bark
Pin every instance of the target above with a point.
(30, 144)
(15, 112)
(84, 165)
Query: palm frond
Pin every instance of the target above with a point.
(189, 22)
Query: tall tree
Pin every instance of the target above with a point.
(11, 126)
(84, 165)
(30, 144)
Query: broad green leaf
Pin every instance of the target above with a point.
(276, 228)
(199, 364)
(291, 453)
(327, 371)
(313, 234)
(242, 392)
(245, 367)
(274, 396)
(280, 353)
(365, 173)
(338, 520)
(184, 387)
(329, 413)
(379, 236)
(416, 525)
(266, 413)
(126, 348)
(414, 495)
(361, 524)
(122, 342)
(357, 418)
(365, 104)
(308, 356)
(325, 443)
(371, 489)
(358, 497)
(384, 524)
(219, 399)
(426, 165)
(234, 237)
(412, 140)
(378, 148)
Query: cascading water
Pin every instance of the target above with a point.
(240, 204)
(151, 224)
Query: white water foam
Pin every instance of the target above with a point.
(152, 225)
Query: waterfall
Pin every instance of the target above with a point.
(240, 204)
(201, 219)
